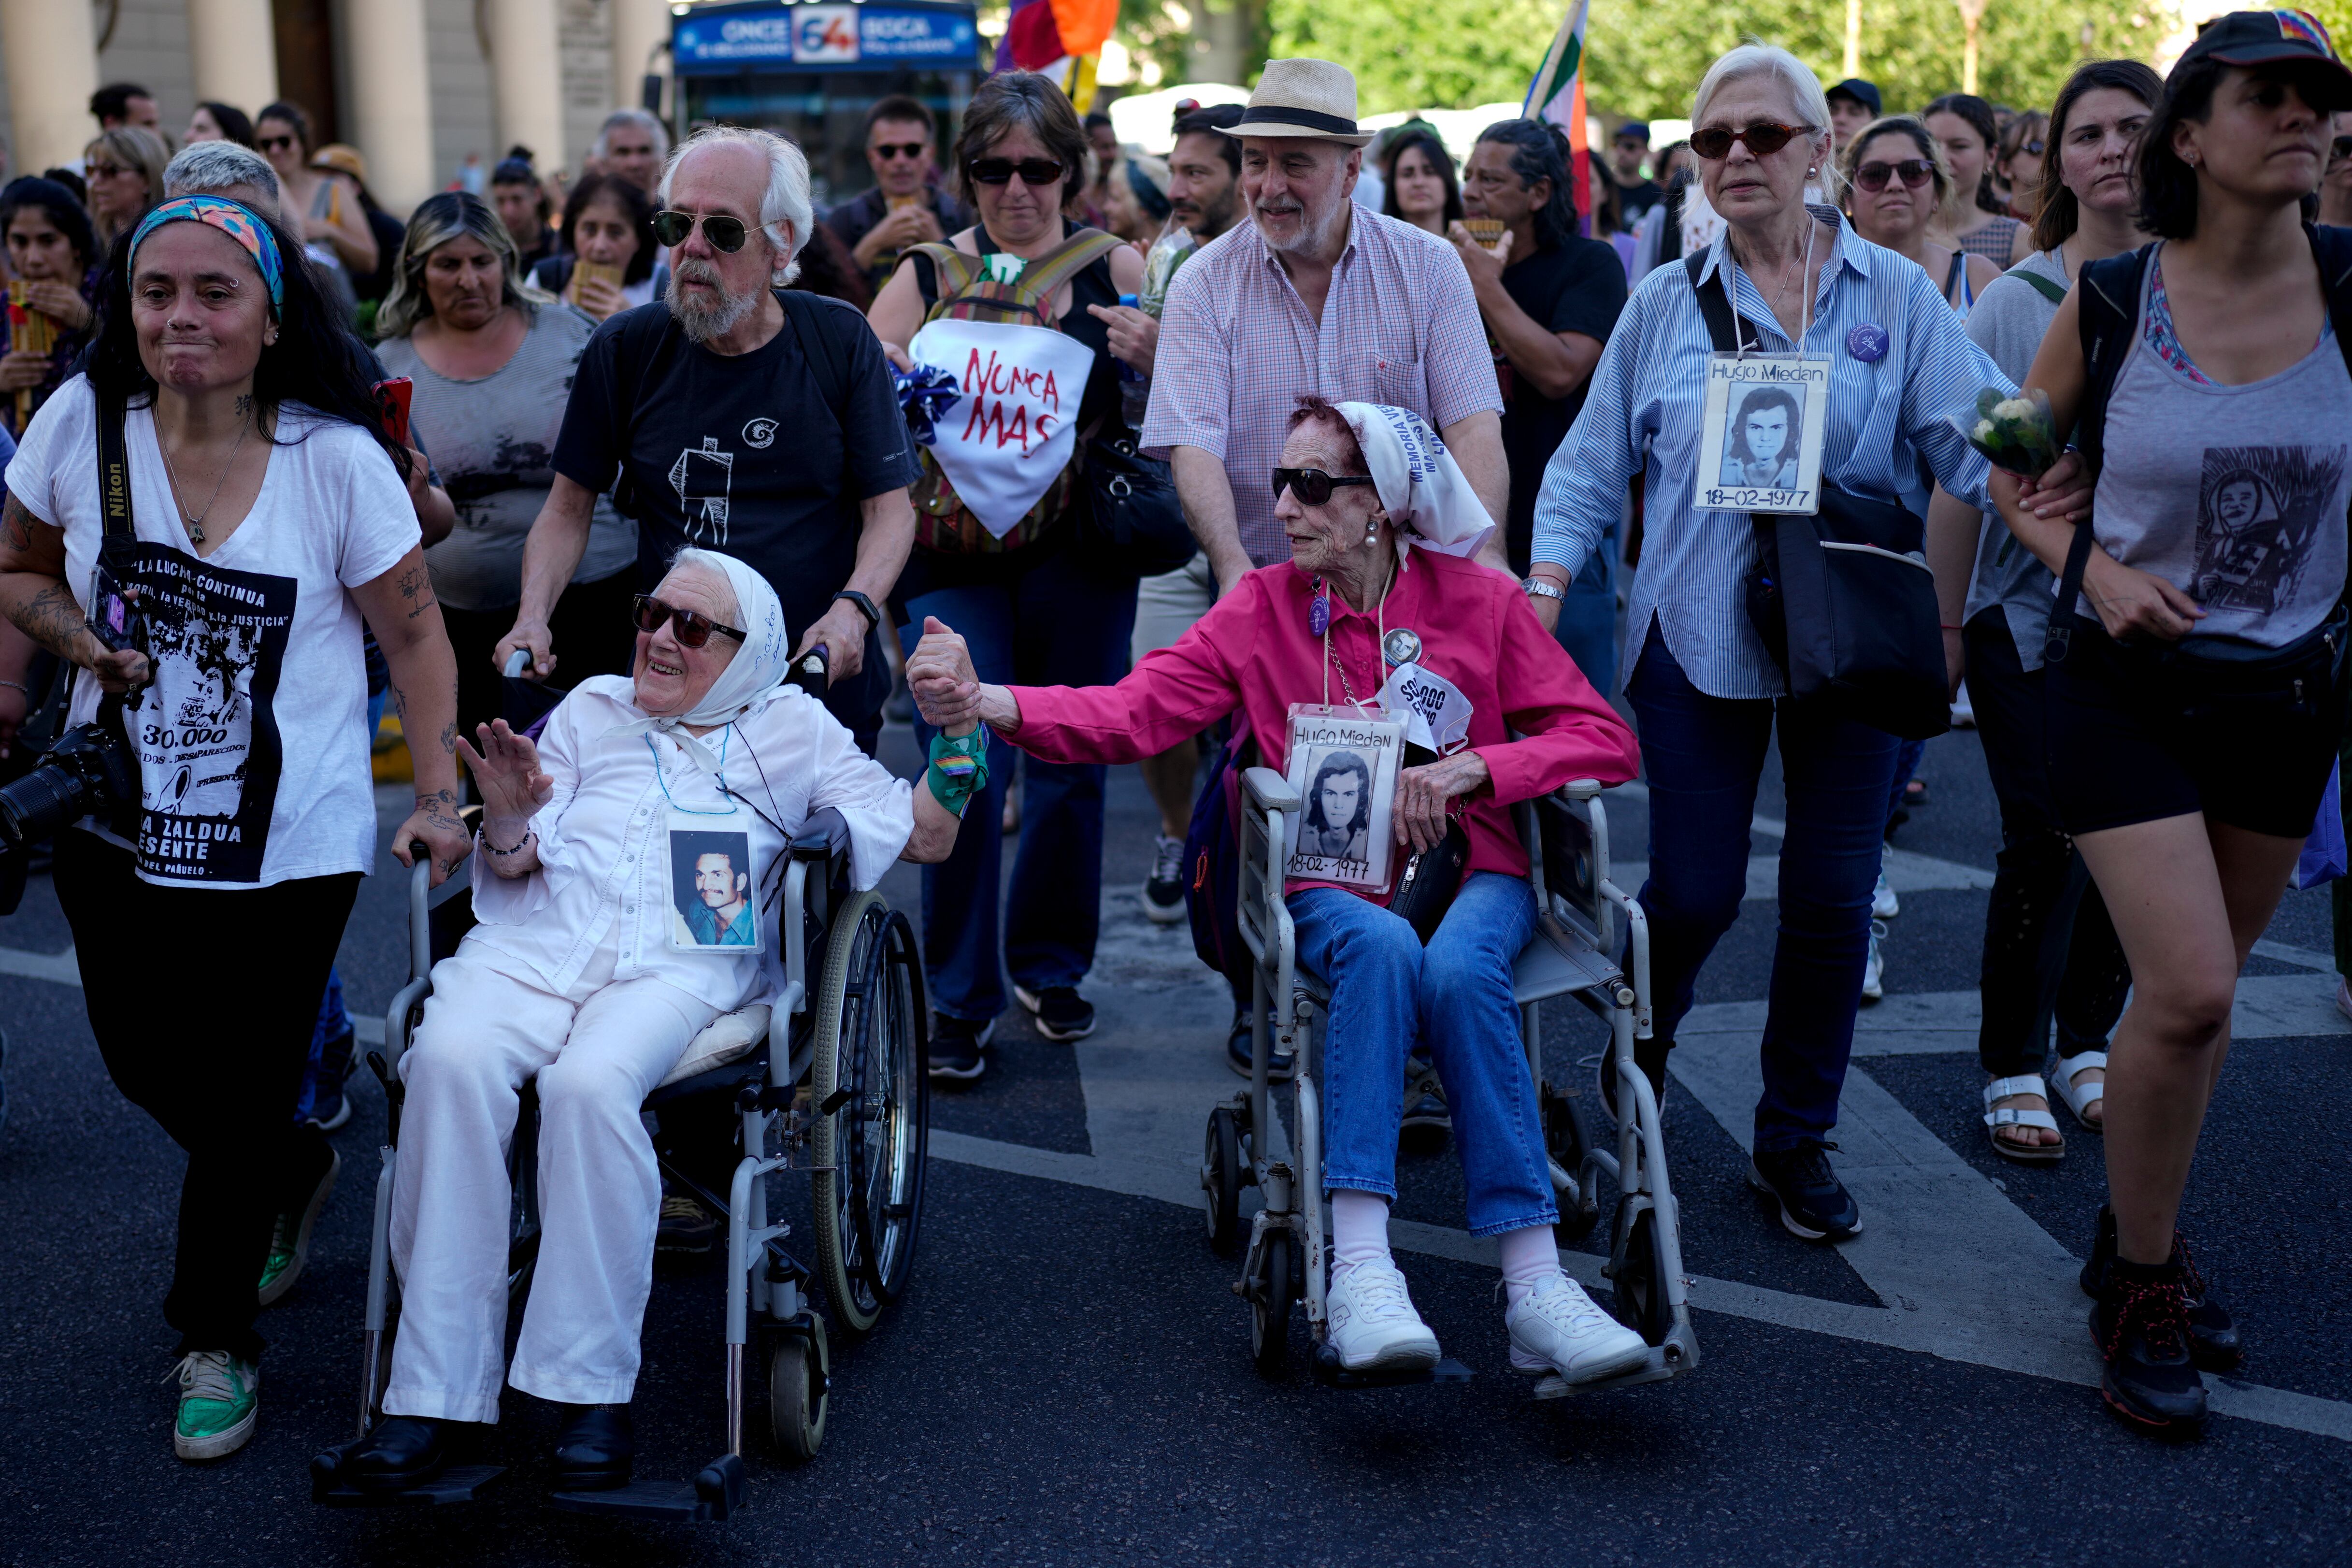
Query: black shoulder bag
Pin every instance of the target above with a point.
(2197, 676)
(1845, 601)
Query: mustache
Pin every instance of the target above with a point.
(690, 271)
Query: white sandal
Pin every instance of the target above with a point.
(2011, 1116)
(2078, 1098)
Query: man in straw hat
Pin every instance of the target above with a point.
(1314, 296)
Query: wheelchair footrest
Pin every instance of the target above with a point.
(1331, 1375)
(458, 1483)
(1657, 1370)
(718, 1491)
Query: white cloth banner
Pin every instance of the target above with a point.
(1017, 425)
(1436, 715)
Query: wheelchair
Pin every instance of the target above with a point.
(835, 1083)
(1579, 910)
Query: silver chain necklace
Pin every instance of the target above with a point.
(196, 522)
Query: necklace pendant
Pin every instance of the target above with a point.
(1318, 614)
(196, 532)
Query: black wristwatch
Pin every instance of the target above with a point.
(865, 607)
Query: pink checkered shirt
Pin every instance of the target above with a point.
(1238, 348)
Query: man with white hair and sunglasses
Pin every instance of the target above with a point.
(737, 415)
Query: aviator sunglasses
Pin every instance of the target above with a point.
(693, 631)
(886, 151)
(724, 233)
(1033, 172)
(1913, 171)
(1764, 139)
(1313, 487)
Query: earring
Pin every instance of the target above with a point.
(1372, 534)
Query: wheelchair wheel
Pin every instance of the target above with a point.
(1276, 1287)
(799, 1385)
(1641, 1282)
(1566, 1139)
(1221, 1181)
(870, 1079)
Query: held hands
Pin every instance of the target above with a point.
(2063, 492)
(940, 675)
(513, 786)
(1134, 334)
(1422, 792)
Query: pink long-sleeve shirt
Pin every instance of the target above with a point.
(1253, 651)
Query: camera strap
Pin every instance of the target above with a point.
(115, 487)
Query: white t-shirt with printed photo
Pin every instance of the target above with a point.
(252, 740)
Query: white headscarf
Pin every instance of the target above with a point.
(749, 678)
(1419, 483)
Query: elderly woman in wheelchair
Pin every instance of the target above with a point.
(625, 892)
(1381, 526)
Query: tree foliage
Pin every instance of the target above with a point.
(1646, 57)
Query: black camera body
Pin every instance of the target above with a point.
(89, 769)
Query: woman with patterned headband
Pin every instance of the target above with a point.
(267, 520)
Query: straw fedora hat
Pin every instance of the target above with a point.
(1303, 97)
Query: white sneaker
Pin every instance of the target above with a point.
(1884, 904)
(1372, 1323)
(1874, 968)
(1557, 1329)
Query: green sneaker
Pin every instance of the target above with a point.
(220, 1394)
(289, 1239)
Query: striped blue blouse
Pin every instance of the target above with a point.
(1888, 436)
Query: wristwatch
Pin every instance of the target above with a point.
(864, 606)
(1537, 588)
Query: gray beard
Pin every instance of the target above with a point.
(700, 323)
(1311, 234)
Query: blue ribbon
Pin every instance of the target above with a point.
(925, 392)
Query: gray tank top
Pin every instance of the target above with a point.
(2236, 495)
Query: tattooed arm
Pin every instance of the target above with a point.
(406, 619)
(33, 595)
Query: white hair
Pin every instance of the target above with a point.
(209, 168)
(712, 567)
(786, 201)
(1755, 58)
(649, 124)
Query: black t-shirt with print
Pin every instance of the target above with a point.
(1579, 287)
(742, 455)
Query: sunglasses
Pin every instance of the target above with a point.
(889, 150)
(724, 233)
(1033, 172)
(273, 143)
(2339, 149)
(2033, 149)
(1913, 171)
(1763, 139)
(104, 171)
(1313, 487)
(693, 631)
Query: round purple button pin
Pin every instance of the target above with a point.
(1867, 342)
(1319, 616)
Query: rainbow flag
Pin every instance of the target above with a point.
(1557, 95)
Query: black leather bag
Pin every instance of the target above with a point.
(1844, 600)
(1131, 520)
(1426, 888)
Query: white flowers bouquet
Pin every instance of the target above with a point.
(2013, 430)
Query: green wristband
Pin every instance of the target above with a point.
(958, 768)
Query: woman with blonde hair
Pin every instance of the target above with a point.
(124, 170)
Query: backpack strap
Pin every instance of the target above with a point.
(951, 271)
(2107, 302)
(2048, 289)
(819, 345)
(1714, 304)
(2332, 248)
(1065, 261)
(637, 342)
(1958, 271)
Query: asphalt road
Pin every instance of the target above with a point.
(1068, 1380)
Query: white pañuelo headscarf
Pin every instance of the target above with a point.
(1428, 500)
(751, 678)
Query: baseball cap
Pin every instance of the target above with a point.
(1864, 93)
(2273, 37)
(1633, 130)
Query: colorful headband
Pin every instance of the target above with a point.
(234, 220)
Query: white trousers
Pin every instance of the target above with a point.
(597, 1050)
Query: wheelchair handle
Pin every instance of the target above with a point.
(517, 663)
(420, 918)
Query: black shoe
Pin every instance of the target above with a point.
(1062, 1014)
(1279, 1067)
(1163, 891)
(595, 1450)
(685, 1225)
(956, 1047)
(2213, 1343)
(2141, 1325)
(400, 1452)
(1425, 1122)
(1815, 1204)
(329, 1107)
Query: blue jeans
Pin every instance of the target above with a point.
(1587, 617)
(1387, 991)
(1704, 756)
(1061, 622)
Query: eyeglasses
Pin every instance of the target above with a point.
(886, 151)
(1313, 487)
(272, 143)
(2033, 148)
(693, 631)
(2339, 149)
(1913, 171)
(1763, 139)
(104, 171)
(1033, 172)
(724, 233)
